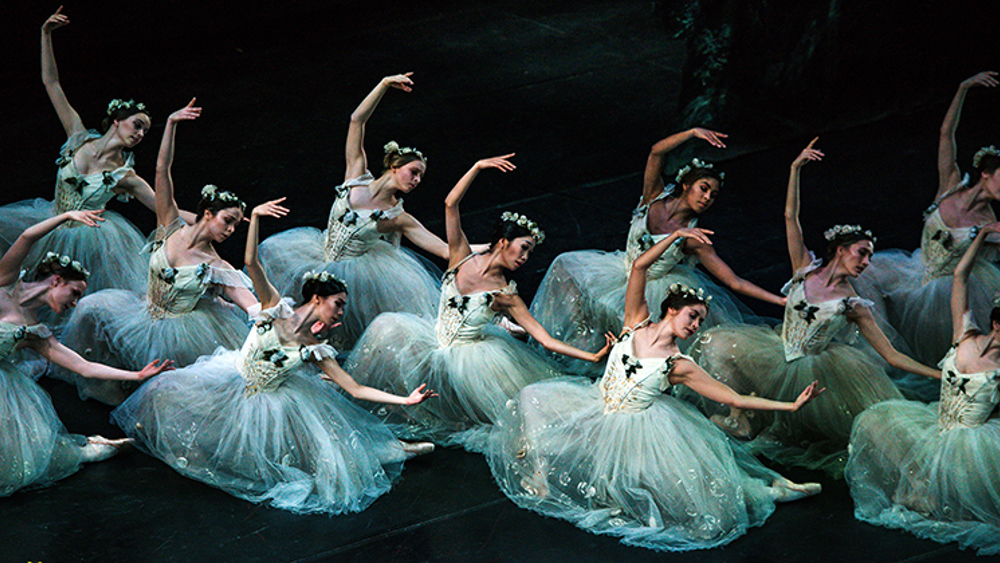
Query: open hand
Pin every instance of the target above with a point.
(807, 154)
(501, 163)
(186, 113)
(609, 340)
(808, 394)
(271, 209)
(399, 82)
(89, 217)
(154, 368)
(420, 394)
(988, 79)
(55, 21)
(695, 233)
(713, 138)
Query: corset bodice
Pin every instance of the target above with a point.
(631, 384)
(351, 232)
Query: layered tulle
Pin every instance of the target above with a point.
(664, 478)
(112, 251)
(905, 472)
(35, 448)
(475, 380)
(751, 360)
(384, 279)
(302, 447)
(582, 297)
(116, 328)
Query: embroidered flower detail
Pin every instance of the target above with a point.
(460, 303)
(65, 262)
(168, 274)
(806, 311)
(304, 353)
(930, 209)
(264, 326)
(953, 379)
(646, 242)
(974, 232)
(377, 215)
(350, 217)
(695, 163)
(202, 270)
(943, 238)
(631, 365)
(117, 104)
(77, 182)
(20, 332)
(63, 160)
(155, 245)
(689, 292)
(521, 220)
(844, 305)
(108, 179)
(277, 357)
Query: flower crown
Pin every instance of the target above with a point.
(688, 292)
(847, 230)
(695, 163)
(117, 104)
(521, 220)
(324, 277)
(211, 192)
(65, 262)
(392, 147)
(990, 150)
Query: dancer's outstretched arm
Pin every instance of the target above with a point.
(357, 161)
(652, 178)
(948, 172)
(10, 264)
(334, 373)
(874, 335)
(57, 353)
(698, 380)
(513, 306)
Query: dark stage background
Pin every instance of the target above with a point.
(579, 90)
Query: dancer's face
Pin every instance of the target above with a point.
(330, 309)
(685, 321)
(133, 128)
(856, 257)
(701, 194)
(991, 184)
(409, 175)
(64, 294)
(514, 253)
(222, 224)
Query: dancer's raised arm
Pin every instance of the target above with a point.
(458, 244)
(652, 180)
(797, 250)
(68, 116)
(960, 310)
(166, 205)
(10, 264)
(357, 161)
(636, 308)
(266, 293)
(948, 172)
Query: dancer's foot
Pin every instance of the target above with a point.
(99, 448)
(788, 491)
(737, 424)
(413, 449)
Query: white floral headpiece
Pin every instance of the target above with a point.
(536, 233)
(695, 163)
(117, 104)
(65, 262)
(392, 147)
(990, 150)
(846, 230)
(211, 192)
(688, 292)
(324, 277)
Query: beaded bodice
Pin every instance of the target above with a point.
(641, 240)
(809, 328)
(91, 191)
(174, 292)
(12, 334)
(351, 232)
(264, 361)
(462, 318)
(942, 247)
(631, 384)
(967, 399)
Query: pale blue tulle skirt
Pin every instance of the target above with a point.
(384, 279)
(582, 297)
(664, 478)
(906, 474)
(399, 351)
(35, 448)
(303, 447)
(114, 327)
(751, 359)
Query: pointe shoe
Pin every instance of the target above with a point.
(787, 491)
(413, 449)
(99, 448)
(736, 425)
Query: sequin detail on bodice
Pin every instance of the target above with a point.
(12, 334)
(462, 318)
(942, 247)
(351, 232)
(640, 240)
(809, 328)
(264, 362)
(631, 384)
(967, 399)
(175, 292)
(75, 191)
